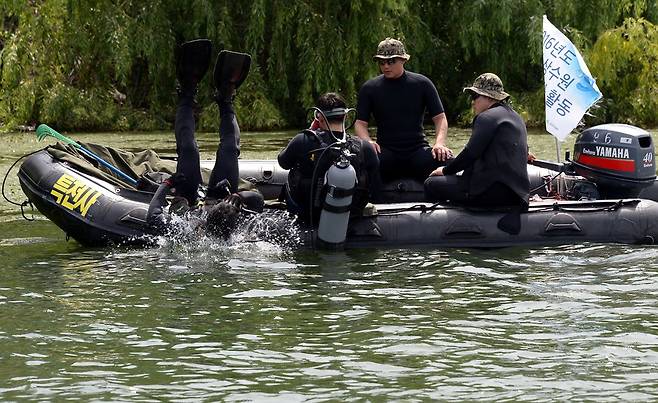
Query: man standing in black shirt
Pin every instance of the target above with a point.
(398, 100)
(494, 160)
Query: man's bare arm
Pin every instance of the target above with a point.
(361, 130)
(440, 151)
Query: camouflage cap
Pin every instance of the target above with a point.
(390, 48)
(489, 85)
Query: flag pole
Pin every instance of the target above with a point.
(557, 149)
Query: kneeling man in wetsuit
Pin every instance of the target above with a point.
(494, 161)
(310, 153)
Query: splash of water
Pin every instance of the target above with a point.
(271, 234)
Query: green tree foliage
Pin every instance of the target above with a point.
(625, 61)
(109, 65)
(504, 36)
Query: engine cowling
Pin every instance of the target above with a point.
(619, 158)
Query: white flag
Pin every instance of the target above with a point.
(570, 88)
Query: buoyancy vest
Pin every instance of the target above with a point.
(310, 171)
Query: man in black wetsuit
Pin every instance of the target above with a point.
(398, 100)
(231, 69)
(309, 154)
(494, 161)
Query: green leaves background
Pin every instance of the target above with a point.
(109, 64)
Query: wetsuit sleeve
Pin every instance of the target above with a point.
(363, 103)
(252, 200)
(484, 129)
(156, 218)
(432, 99)
(292, 153)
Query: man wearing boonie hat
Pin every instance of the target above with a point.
(494, 161)
(398, 100)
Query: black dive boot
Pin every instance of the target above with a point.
(231, 69)
(192, 62)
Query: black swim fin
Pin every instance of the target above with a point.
(192, 62)
(231, 69)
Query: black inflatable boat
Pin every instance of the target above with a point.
(611, 181)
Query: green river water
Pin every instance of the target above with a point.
(261, 322)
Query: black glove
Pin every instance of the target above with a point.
(234, 200)
(220, 190)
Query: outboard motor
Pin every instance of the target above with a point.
(340, 181)
(618, 158)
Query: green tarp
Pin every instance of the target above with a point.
(135, 165)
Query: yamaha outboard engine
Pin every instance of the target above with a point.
(618, 158)
(340, 181)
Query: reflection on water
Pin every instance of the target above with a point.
(259, 320)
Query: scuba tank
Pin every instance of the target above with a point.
(340, 181)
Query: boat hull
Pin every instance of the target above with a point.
(97, 213)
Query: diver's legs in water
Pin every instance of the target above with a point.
(187, 149)
(231, 69)
(192, 61)
(228, 151)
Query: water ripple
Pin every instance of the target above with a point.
(201, 322)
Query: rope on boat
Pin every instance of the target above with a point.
(604, 206)
(423, 208)
(26, 202)
(607, 207)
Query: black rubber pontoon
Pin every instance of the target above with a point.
(96, 212)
